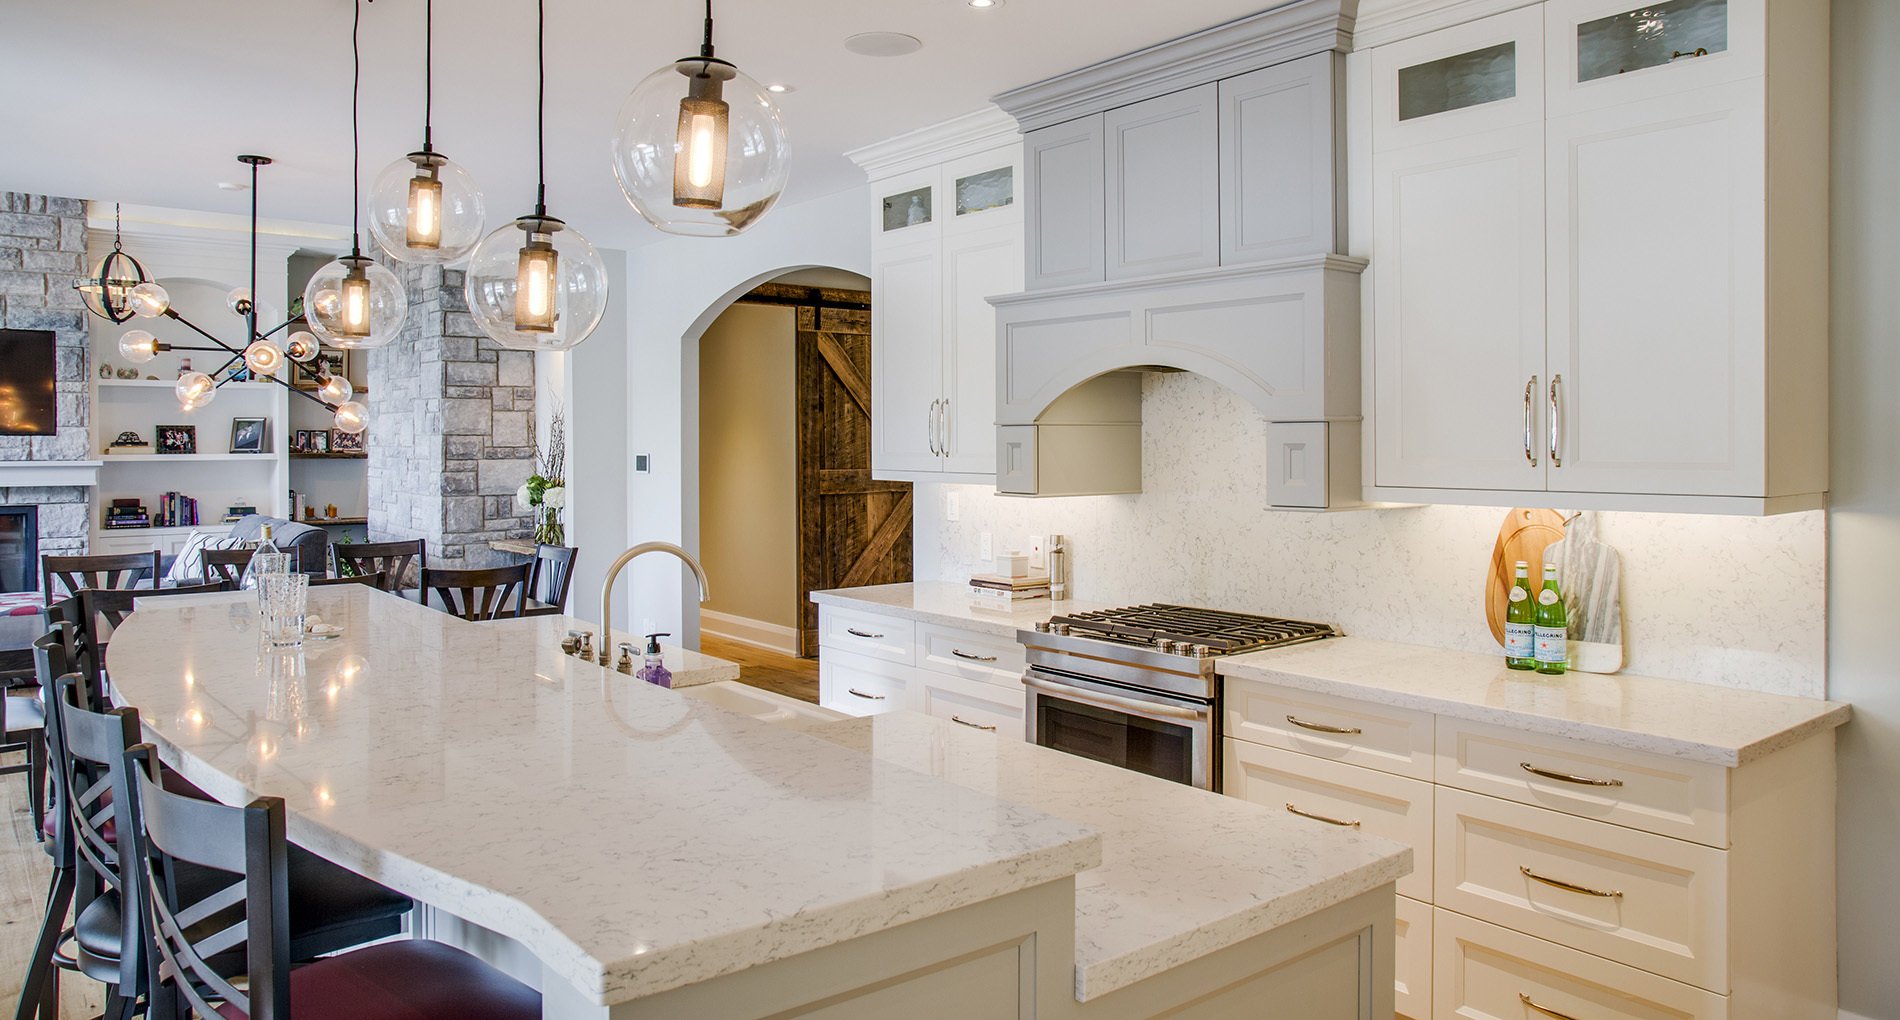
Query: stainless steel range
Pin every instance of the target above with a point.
(1140, 686)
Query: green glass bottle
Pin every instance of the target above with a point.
(1551, 627)
(1520, 618)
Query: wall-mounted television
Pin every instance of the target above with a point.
(26, 383)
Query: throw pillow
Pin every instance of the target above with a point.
(189, 567)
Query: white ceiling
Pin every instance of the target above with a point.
(149, 102)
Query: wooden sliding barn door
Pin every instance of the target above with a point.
(852, 530)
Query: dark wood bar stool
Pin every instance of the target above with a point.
(401, 980)
(228, 566)
(553, 573)
(391, 559)
(23, 728)
(479, 594)
(76, 573)
(102, 610)
(50, 656)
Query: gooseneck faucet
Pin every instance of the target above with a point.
(613, 573)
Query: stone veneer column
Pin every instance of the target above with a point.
(42, 251)
(451, 433)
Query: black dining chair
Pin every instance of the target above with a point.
(245, 848)
(102, 610)
(23, 728)
(481, 593)
(553, 573)
(391, 559)
(50, 656)
(75, 573)
(228, 566)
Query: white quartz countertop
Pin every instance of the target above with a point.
(1184, 872)
(633, 838)
(1677, 718)
(950, 605)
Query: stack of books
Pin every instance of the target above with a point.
(1004, 591)
(127, 513)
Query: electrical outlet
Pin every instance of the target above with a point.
(1038, 557)
(986, 549)
(953, 506)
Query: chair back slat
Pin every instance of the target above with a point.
(374, 579)
(77, 573)
(248, 843)
(553, 573)
(228, 566)
(482, 593)
(391, 559)
(92, 750)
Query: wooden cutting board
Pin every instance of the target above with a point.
(1523, 536)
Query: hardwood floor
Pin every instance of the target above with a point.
(24, 872)
(771, 671)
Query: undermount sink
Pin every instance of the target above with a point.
(763, 705)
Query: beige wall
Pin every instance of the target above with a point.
(1864, 515)
(748, 488)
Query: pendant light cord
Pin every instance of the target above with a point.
(428, 75)
(706, 47)
(541, 109)
(250, 317)
(356, 134)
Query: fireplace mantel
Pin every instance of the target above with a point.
(83, 473)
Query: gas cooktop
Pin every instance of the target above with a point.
(1185, 630)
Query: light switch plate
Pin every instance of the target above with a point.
(1038, 558)
(986, 548)
(953, 506)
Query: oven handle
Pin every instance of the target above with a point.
(1148, 709)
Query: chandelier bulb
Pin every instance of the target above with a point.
(149, 300)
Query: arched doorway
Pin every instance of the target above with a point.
(785, 501)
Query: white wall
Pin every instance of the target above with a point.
(675, 288)
(591, 382)
(1864, 520)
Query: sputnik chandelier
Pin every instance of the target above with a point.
(118, 290)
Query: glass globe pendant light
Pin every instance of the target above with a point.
(354, 302)
(537, 284)
(424, 208)
(107, 292)
(149, 300)
(705, 156)
(138, 346)
(302, 347)
(194, 390)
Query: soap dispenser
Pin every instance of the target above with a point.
(655, 671)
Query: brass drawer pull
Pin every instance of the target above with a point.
(1559, 883)
(861, 694)
(1322, 727)
(1322, 818)
(1546, 1010)
(961, 654)
(961, 721)
(854, 632)
(1565, 777)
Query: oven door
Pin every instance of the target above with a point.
(1160, 735)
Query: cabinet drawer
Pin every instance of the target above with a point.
(972, 703)
(1384, 805)
(881, 637)
(860, 685)
(1670, 796)
(1388, 739)
(1412, 963)
(995, 660)
(1638, 898)
(1483, 972)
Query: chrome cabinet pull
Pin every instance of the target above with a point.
(1322, 818)
(961, 654)
(1565, 777)
(1609, 894)
(1546, 1010)
(943, 426)
(861, 694)
(854, 632)
(1322, 727)
(961, 721)
(1556, 423)
(930, 426)
(1530, 444)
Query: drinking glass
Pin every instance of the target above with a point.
(282, 599)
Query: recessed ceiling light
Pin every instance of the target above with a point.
(781, 88)
(883, 44)
(984, 4)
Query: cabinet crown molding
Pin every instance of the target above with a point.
(1384, 21)
(1270, 37)
(988, 128)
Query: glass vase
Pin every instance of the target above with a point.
(548, 529)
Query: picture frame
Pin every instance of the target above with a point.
(319, 442)
(250, 435)
(176, 439)
(347, 442)
(335, 362)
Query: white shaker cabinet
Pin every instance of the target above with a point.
(1162, 182)
(1280, 161)
(1599, 257)
(946, 235)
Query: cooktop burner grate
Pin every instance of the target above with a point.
(1224, 633)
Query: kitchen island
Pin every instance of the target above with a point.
(635, 852)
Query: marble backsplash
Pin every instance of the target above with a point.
(1735, 601)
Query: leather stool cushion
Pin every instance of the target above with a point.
(408, 980)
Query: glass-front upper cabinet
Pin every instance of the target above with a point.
(1469, 78)
(1605, 52)
(979, 190)
(909, 207)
